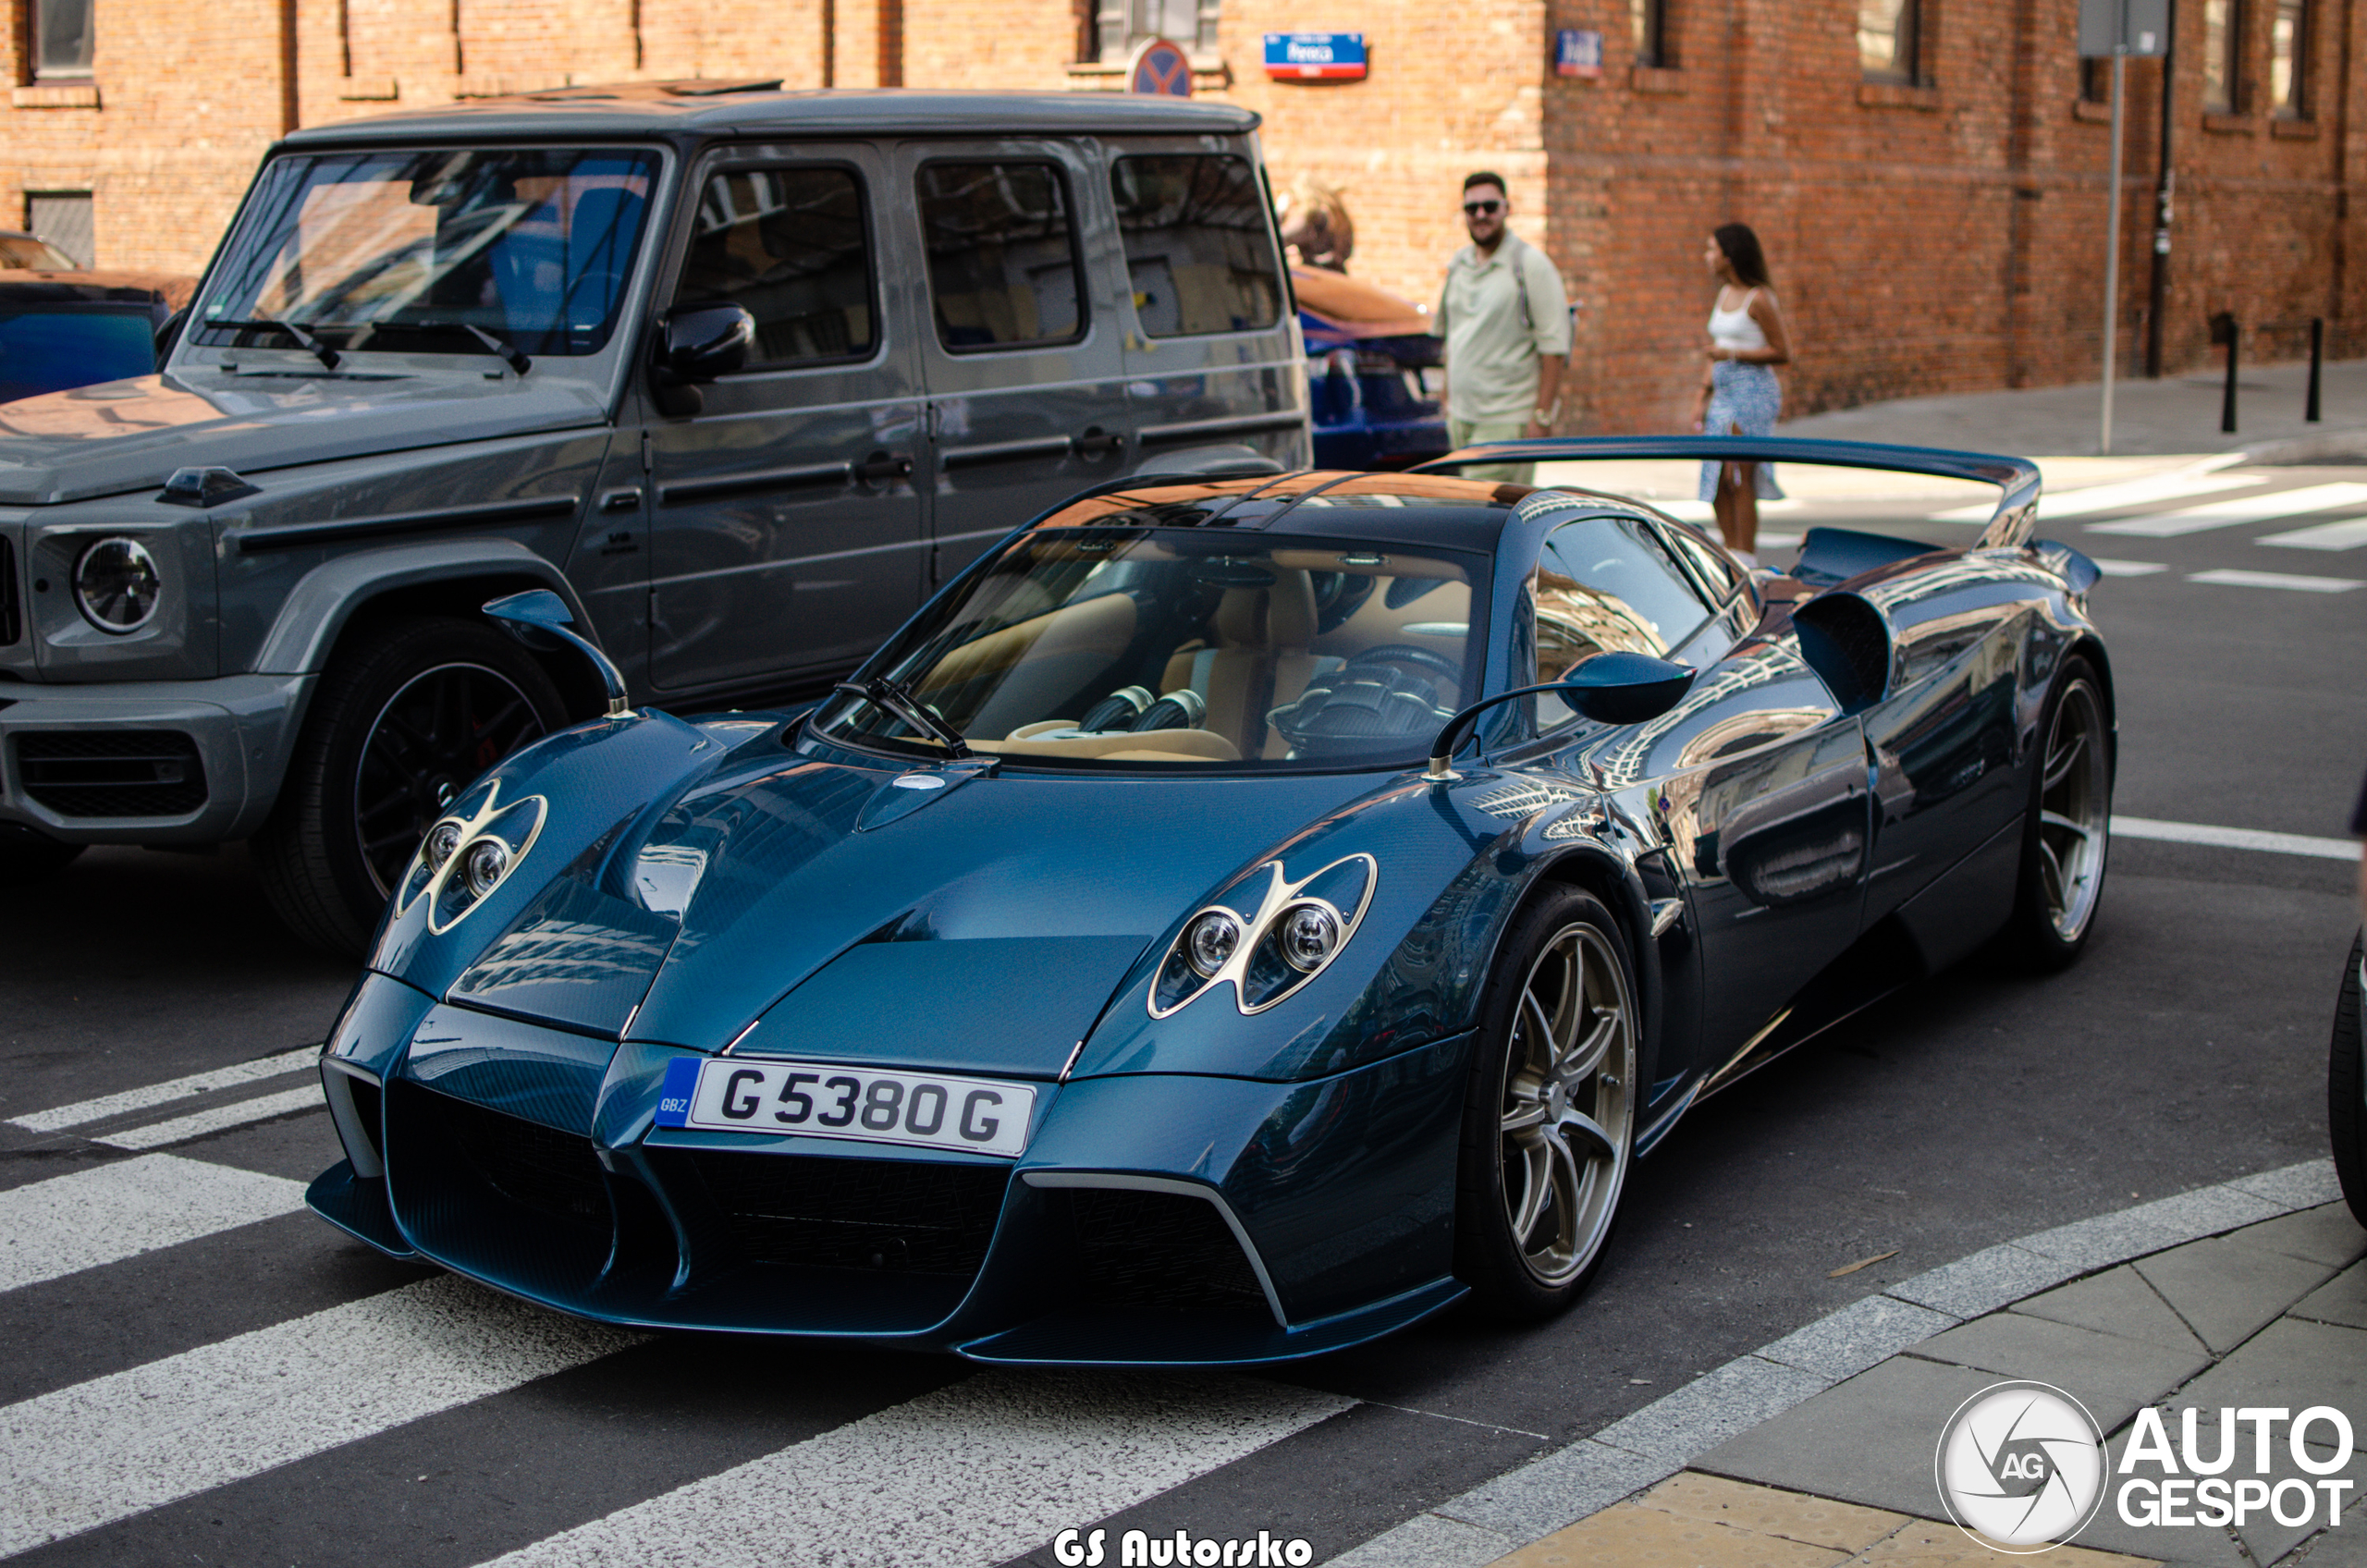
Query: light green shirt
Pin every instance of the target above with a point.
(1501, 315)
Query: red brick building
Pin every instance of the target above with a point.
(1928, 175)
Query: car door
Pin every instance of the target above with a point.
(787, 531)
(1212, 349)
(1019, 346)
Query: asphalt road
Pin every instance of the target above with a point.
(2188, 1046)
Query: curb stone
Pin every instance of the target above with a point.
(1641, 1449)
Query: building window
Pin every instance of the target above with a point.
(62, 37)
(2095, 80)
(1121, 24)
(1886, 40)
(61, 219)
(1648, 21)
(2222, 56)
(2289, 59)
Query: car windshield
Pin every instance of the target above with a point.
(408, 250)
(23, 250)
(1100, 647)
(51, 350)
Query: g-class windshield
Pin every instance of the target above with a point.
(411, 251)
(1176, 647)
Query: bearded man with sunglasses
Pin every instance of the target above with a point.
(1506, 322)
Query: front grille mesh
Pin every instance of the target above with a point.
(1166, 1251)
(112, 772)
(552, 1172)
(925, 1217)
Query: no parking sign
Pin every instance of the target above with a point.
(1159, 68)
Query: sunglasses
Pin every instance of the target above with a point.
(1482, 209)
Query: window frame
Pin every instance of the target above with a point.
(2226, 60)
(1907, 48)
(871, 235)
(36, 32)
(1112, 45)
(1285, 301)
(2295, 104)
(1648, 31)
(1077, 267)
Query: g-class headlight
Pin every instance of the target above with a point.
(117, 585)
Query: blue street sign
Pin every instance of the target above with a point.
(1314, 56)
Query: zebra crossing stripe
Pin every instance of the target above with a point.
(2235, 837)
(2241, 509)
(129, 1100)
(111, 1212)
(2055, 504)
(236, 1114)
(120, 1445)
(2348, 535)
(969, 1476)
(2234, 578)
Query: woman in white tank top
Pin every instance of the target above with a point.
(1739, 394)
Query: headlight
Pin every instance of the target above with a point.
(468, 854)
(487, 859)
(1211, 941)
(442, 839)
(1308, 935)
(115, 585)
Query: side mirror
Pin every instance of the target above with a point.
(1608, 688)
(541, 620)
(705, 341)
(168, 333)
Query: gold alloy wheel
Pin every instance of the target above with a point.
(1567, 1106)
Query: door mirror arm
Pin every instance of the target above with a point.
(1612, 688)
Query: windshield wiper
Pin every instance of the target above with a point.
(510, 353)
(328, 356)
(897, 699)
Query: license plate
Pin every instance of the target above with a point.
(925, 1109)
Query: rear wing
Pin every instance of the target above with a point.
(2017, 478)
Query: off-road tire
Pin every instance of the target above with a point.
(310, 852)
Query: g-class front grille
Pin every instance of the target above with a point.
(925, 1217)
(1165, 1251)
(112, 772)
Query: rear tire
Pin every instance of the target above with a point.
(26, 857)
(407, 717)
(2066, 833)
(2346, 1118)
(1549, 1118)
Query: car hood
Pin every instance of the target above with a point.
(118, 436)
(805, 907)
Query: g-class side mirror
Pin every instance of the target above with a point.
(705, 341)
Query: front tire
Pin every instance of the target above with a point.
(2346, 1118)
(2067, 833)
(1548, 1120)
(27, 857)
(407, 717)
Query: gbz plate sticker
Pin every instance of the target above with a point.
(825, 1100)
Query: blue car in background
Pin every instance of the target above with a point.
(1366, 353)
(62, 329)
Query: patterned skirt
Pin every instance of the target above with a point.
(1744, 400)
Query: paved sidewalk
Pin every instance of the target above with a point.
(1817, 1450)
(2176, 414)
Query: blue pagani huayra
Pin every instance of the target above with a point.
(1234, 920)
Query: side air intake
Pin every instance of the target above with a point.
(1846, 641)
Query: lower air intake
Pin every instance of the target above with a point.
(112, 772)
(922, 1216)
(552, 1172)
(1165, 1251)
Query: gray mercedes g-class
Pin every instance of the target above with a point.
(742, 374)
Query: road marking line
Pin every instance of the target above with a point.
(183, 1128)
(2231, 577)
(2236, 837)
(2111, 497)
(2128, 569)
(976, 1473)
(98, 1452)
(111, 1212)
(164, 1094)
(2348, 535)
(2243, 508)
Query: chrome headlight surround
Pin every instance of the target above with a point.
(117, 584)
(1275, 951)
(462, 859)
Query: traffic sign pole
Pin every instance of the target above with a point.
(2112, 253)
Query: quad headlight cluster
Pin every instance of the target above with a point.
(469, 853)
(1297, 930)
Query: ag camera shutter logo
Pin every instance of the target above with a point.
(2021, 1467)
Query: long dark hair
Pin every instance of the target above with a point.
(1741, 247)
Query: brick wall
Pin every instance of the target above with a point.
(1939, 239)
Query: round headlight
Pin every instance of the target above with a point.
(442, 839)
(115, 585)
(487, 859)
(1308, 935)
(1210, 941)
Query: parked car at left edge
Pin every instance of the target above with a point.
(62, 327)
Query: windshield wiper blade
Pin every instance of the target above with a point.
(511, 354)
(328, 356)
(897, 699)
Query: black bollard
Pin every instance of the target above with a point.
(2317, 356)
(2224, 330)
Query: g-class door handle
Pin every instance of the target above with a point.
(881, 466)
(1095, 442)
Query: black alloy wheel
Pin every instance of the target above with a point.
(2346, 1081)
(1548, 1116)
(406, 719)
(2067, 832)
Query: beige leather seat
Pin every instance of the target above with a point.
(1261, 659)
